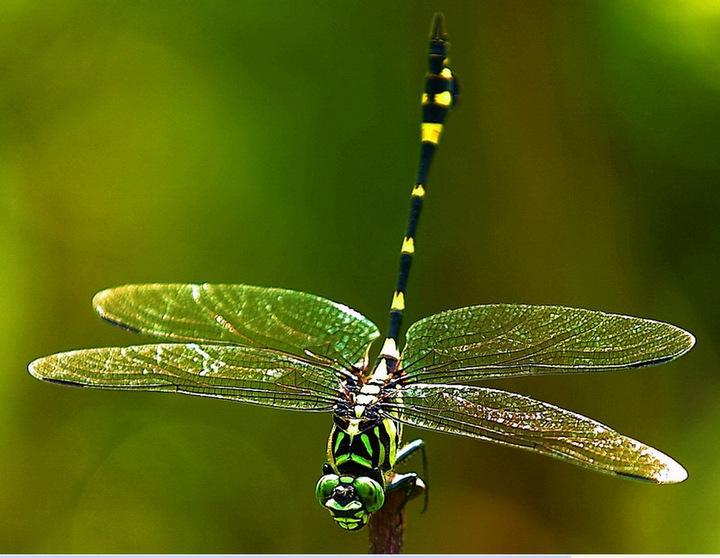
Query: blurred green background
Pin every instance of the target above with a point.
(274, 143)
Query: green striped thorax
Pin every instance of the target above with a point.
(360, 453)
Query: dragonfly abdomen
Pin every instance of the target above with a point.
(439, 95)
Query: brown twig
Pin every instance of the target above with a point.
(387, 525)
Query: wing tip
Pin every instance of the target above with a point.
(107, 293)
(40, 370)
(686, 341)
(46, 368)
(667, 470)
(34, 368)
(101, 298)
(100, 303)
(671, 473)
(689, 339)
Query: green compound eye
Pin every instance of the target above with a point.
(370, 492)
(325, 487)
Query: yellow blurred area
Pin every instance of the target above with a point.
(275, 143)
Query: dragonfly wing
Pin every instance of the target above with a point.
(503, 340)
(516, 420)
(246, 374)
(282, 319)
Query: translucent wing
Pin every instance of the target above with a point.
(246, 374)
(240, 314)
(516, 340)
(516, 420)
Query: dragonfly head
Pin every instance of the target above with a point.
(350, 499)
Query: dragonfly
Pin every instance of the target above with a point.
(293, 350)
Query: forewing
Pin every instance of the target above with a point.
(516, 420)
(246, 374)
(282, 319)
(506, 340)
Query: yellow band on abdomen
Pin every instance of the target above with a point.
(430, 132)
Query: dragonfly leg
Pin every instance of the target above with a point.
(403, 454)
(409, 483)
(407, 451)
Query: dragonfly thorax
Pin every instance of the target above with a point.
(363, 438)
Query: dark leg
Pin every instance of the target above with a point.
(402, 480)
(407, 451)
(410, 483)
